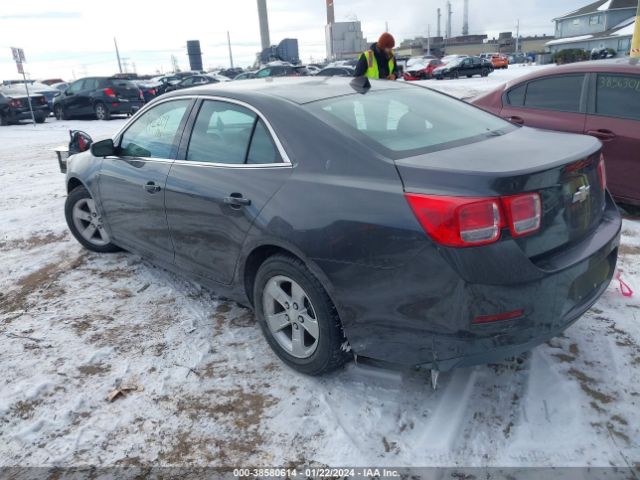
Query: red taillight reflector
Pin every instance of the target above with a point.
(458, 221)
(602, 173)
(499, 317)
(109, 92)
(524, 213)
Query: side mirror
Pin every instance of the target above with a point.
(103, 148)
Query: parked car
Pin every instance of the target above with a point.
(282, 71)
(598, 98)
(60, 86)
(402, 225)
(344, 71)
(498, 60)
(463, 67)
(36, 88)
(149, 89)
(14, 106)
(192, 81)
(518, 58)
(450, 58)
(51, 81)
(245, 76)
(421, 70)
(100, 97)
(313, 69)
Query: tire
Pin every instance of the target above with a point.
(485, 73)
(101, 111)
(80, 213)
(455, 75)
(40, 118)
(58, 112)
(313, 355)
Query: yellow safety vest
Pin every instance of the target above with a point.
(372, 62)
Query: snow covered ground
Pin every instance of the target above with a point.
(208, 391)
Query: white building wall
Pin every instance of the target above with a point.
(344, 39)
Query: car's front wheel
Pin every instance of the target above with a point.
(85, 222)
(297, 317)
(101, 111)
(58, 112)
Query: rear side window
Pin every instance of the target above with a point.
(515, 96)
(262, 149)
(221, 133)
(618, 96)
(411, 121)
(559, 93)
(90, 84)
(153, 134)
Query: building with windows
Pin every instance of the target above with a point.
(599, 25)
(344, 40)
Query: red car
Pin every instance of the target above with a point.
(599, 98)
(422, 70)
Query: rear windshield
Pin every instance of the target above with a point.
(409, 121)
(116, 82)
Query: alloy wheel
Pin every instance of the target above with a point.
(101, 111)
(290, 316)
(89, 223)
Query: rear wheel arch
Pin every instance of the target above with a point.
(261, 253)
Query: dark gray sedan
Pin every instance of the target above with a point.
(392, 222)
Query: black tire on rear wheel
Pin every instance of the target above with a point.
(101, 111)
(3, 121)
(329, 354)
(40, 118)
(100, 242)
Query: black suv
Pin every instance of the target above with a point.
(464, 67)
(98, 96)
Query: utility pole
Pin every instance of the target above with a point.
(465, 22)
(449, 14)
(117, 54)
(428, 39)
(518, 36)
(635, 40)
(439, 23)
(230, 54)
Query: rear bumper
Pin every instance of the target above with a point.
(122, 106)
(422, 313)
(25, 114)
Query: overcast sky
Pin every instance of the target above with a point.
(75, 37)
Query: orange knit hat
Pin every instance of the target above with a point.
(386, 40)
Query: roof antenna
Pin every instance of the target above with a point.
(360, 84)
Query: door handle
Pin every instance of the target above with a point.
(236, 200)
(152, 187)
(602, 134)
(516, 120)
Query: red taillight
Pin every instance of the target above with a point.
(499, 317)
(458, 221)
(524, 213)
(152, 91)
(472, 221)
(109, 92)
(602, 173)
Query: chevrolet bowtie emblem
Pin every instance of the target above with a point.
(582, 194)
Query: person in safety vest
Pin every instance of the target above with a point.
(379, 61)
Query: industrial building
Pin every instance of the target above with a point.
(286, 50)
(343, 39)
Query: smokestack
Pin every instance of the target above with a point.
(264, 24)
(331, 17)
(439, 22)
(449, 13)
(465, 23)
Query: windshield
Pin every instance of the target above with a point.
(409, 121)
